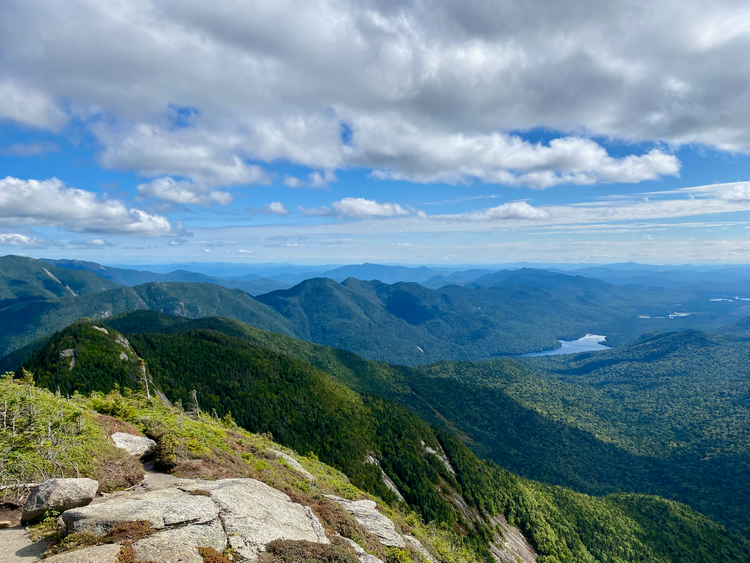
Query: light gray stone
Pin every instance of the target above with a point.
(59, 495)
(365, 513)
(100, 329)
(294, 464)
(180, 545)
(360, 552)
(386, 480)
(135, 445)
(419, 548)
(167, 507)
(512, 547)
(98, 554)
(254, 514)
(122, 341)
(123, 356)
(69, 353)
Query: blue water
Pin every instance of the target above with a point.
(584, 344)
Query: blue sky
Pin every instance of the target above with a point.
(405, 132)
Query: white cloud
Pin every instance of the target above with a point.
(209, 160)
(276, 208)
(400, 151)
(428, 90)
(186, 193)
(315, 180)
(293, 182)
(50, 203)
(16, 239)
(99, 243)
(513, 210)
(273, 208)
(359, 207)
(29, 106)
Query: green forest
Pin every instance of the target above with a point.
(313, 409)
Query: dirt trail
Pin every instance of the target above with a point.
(16, 547)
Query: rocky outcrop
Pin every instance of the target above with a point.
(69, 353)
(59, 495)
(361, 554)
(243, 514)
(122, 341)
(168, 507)
(294, 464)
(386, 480)
(417, 546)
(100, 329)
(254, 514)
(135, 445)
(365, 513)
(512, 547)
(181, 544)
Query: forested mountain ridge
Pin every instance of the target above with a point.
(679, 435)
(25, 279)
(310, 410)
(403, 323)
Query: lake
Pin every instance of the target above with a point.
(586, 343)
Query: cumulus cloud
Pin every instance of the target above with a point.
(50, 203)
(273, 208)
(315, 180)
(400, 151)
(513, 210)
(356, 208)
(16, 239)
(208, 160)
(359, 207)
(29, 106)
(426, 91)
(183, 192)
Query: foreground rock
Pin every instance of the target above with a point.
(59, 495)
(168, 507)
(255, 514)
(135, 445)
(243, 514)
(365, 513)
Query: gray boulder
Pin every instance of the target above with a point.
(167, 507)
(135, 445)
(255, 514)
(180, 545)
(59, 495)
(365, 513)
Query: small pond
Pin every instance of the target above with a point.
(584, 344)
